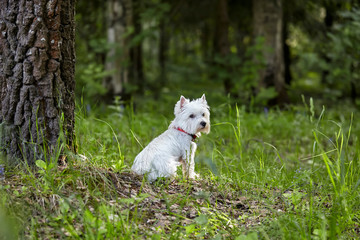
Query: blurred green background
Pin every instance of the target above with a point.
(257, 53)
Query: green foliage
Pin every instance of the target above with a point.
(243, 72)
(90, 80)
(155, 11)
(344, 53)
(91, 48)
(250, 236)
(7, 223)
(327, 63)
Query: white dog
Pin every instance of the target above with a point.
(176, 145)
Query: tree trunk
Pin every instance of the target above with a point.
(221, 40)
(353, 84)
(268, 17)
(330, 9)
(163, 54)
(118, 14)
(205, 35)
(136, 64)
(37, 66)
(287, 55)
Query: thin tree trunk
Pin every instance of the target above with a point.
(221, 40)
(287, 56)
(136, 61)
(118, 11)
(268, 17)
(353, 85)
(163, 52)
(330, 17)
(204, 39)
(37, 66)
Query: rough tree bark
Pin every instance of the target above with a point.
(37, 65)
(268, 17)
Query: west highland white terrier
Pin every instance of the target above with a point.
(176, 145)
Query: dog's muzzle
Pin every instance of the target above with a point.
(203, 124)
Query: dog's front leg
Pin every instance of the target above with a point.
(191, 161)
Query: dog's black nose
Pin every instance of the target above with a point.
(203, 124)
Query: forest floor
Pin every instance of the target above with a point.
(161, 207)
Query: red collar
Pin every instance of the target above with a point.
(182, 130)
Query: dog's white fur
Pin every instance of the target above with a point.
(174, 147)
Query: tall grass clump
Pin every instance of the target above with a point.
(330, 195)
(343, 174)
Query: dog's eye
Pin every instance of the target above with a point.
(203, 114)
(191, 116)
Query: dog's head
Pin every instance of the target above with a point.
(192, 116)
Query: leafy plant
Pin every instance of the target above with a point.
(344, 53)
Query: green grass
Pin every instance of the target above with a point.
(291, 174)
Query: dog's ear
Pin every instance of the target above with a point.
(183, 101)
(203, 99)
(180, 104)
